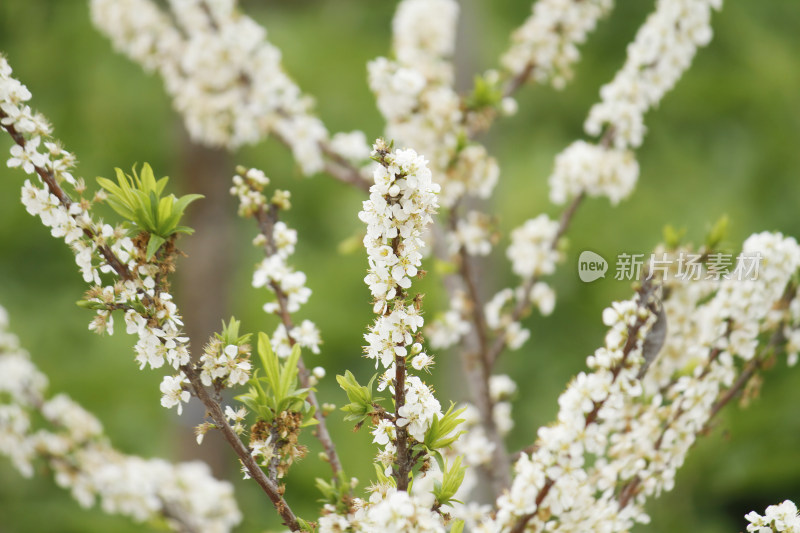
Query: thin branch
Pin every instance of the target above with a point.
(49, 179)
(215, 411)
(404, 460)
(523, 304)
(341, 169)
(519, 527)
(266, 222)
(212, 406)
(477, 375)
(591, 417)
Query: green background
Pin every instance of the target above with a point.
(725, 141)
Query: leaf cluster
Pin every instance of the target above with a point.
(277, 391)
(139, 199)
(361, 399)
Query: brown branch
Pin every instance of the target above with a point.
(341, 169)
(468, 276)
(498, 472)
(748, 372)
(630, 344)
(519, 527)
(48, 178)
(404, 461)
(211, 404)
(519, 80)
(215, 411)
(266, 221)
(751, 368)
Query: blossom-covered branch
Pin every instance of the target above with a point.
(278, 242)
(71, 442)
(227, 80)
(545, 46)
(140, 287)
(781, 518)
(640, 429)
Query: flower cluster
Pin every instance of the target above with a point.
(546, 45)
(73, 446)
(449, 328)
(473, 232)
(415, 94)
(424, 34)
(671, 404)
(140, 289)
(781, 518)
(224, 76)
(402, 202)
(226, 364)
(532, 251)
(393, 511)
(274, 272)
(35, 152)
(595, 170)
(662, 50)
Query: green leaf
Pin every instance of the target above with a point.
(164, 212)
(451, 481)
(230, 333)
(485, 94)
(140, 200)
(289, 371)
(361, 399)
(269, 361)
(718, 232)
(458, 527)
(147, 178)
(439, 434)
(86, 304)
(154, 244)
(672, 236)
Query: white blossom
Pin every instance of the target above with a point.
(663, 49)
(597, 171)
(71, 442)
(222, 73)
(547, 43)
(532, 251)
(782, 518)
(173, 392)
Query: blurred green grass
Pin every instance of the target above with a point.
(724, 141)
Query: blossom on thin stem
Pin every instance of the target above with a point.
(659, 55)
(546, 45)
(707, 358)
(423, 111)
(662, 50)
(274, 272)
(402, 202)
(781, 518)
(224, 77)
(70, 440)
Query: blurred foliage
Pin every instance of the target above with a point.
(725, 141)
